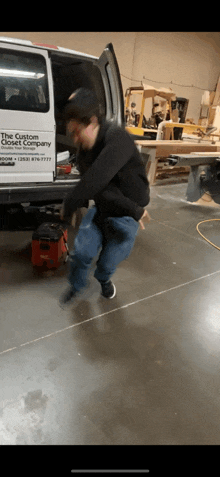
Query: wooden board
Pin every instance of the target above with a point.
(165, 148)
(210, 154)
(217, 94)
(173, 144)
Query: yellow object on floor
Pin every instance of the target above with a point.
(197, 228)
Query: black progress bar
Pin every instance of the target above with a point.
(111, 470)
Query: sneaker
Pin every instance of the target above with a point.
(108, 289)
(66, 297)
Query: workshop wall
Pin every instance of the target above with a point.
(185, 58)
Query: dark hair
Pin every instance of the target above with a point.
(82, 107)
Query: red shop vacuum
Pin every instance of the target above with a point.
(49, 246)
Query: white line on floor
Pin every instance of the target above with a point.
(112, 311)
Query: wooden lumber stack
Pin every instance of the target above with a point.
(165, 170)
(214, 102)
(209, 111)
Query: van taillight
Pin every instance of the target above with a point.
(46, 45)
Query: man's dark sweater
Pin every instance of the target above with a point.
(113, 175)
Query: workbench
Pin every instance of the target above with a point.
(163, 149)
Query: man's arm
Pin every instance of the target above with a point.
(119, 203)
(124, 206)
(117, 151)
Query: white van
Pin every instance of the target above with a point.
(35, 82)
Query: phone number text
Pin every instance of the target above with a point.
(44, 159)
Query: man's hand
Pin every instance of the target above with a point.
(145, 218)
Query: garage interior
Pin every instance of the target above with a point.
(143, 368)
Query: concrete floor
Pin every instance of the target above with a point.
(143, 368)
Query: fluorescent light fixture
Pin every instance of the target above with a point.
(20, 73)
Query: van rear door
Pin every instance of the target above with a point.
(27, 124)
(108, 66)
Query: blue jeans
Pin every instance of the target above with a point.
(115, 237)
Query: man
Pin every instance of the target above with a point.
(113, 175)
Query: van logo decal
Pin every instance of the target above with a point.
(22, 140)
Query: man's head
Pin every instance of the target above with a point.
(82, 116)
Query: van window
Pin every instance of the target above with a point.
(69, 74)
(23, 81)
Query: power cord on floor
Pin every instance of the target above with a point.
(197, 228)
